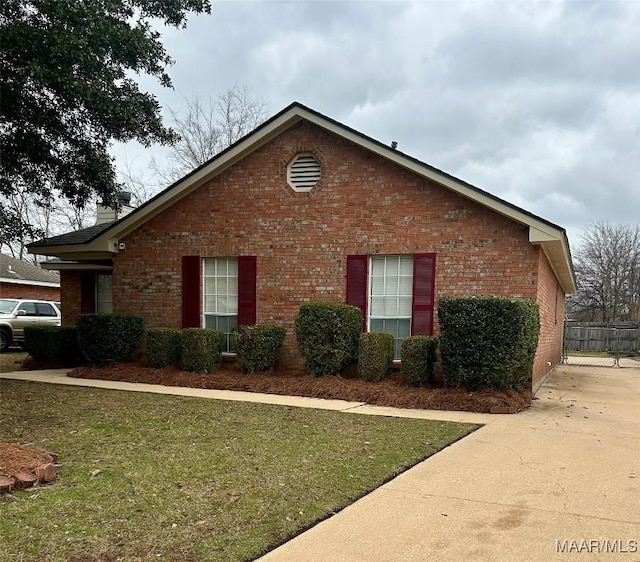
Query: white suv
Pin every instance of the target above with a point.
(15, 314)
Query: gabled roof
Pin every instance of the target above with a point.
(103, 241)
(16, 271)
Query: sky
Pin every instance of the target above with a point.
(535, 102)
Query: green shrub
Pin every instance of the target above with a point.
(41, 342)
(258, 347)
(201, 349)
(164, 347)
(327, 335)
(418, 357)
(109, 338)
(488, 341)
(375, 356)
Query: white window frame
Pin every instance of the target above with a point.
(216, 270)
(398, 286)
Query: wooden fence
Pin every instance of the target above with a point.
(618, 338)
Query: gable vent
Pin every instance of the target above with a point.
(303, 173)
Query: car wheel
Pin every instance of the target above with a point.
(5, 340)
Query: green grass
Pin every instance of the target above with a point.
(190, 479)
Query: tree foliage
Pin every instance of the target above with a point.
(608, 273)
(67, 92)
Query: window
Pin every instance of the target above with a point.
(29, 308)
(395, 293)
(303, 173)
(104, 293)
(390, 297)
(45, 309)
(221, 296)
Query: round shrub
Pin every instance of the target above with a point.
(164, 347)
(418, 356)
(109, 338)
(258, 347)
(488, 341)
(327, 335)
(201, 349)
(375, 356)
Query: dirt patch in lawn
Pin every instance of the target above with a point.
(390, 392)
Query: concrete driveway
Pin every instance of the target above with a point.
(558, 482)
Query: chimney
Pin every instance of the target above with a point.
(107, 214)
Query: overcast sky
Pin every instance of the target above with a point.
(535, 102)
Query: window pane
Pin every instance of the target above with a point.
(209, 286)
(404, 306)
(390, 306)
(406, 265)
(232, 270)
(221, 305)
(392, 286)
(209, 304)
(221, 286)
(210, 267)
(376, 325)
(233, 286)
(377, 286)
(377, 267)
(405, 286)
(377, 307)
(45, 309)
(404, 328)
(392, 265)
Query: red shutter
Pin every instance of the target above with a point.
(87, 293)
(357, 285)
(247, 297)
(191, 291)
(424, 283)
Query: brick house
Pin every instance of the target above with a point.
(307, 209)
(19, 279)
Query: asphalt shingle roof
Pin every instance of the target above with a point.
(76, 237)
(17, 270)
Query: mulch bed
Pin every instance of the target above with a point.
(390, 392)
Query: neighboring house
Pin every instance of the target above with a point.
(24, 280)
(307, 209)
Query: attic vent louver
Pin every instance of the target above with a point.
(303, 173)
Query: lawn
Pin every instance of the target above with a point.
(190, 479)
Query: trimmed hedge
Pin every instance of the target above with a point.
(375, 356)
(109, 338)
(164, 347)
(201, 349)
(327, 335)
(418, 357)
(258, 347)
(52, 344)
(488, 341)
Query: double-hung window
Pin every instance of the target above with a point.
(221, 296)
(390, 297)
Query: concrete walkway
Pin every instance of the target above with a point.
(560, 481)
(521, 488)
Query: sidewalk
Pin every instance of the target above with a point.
(521, 488)
(58, 376)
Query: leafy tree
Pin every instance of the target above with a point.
(67, 93)
(608, 274)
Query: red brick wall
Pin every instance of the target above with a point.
(364, 205)
(550, 299)
(17, 290)
(70, 296)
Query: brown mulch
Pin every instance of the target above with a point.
(15, 458)
(389, 392)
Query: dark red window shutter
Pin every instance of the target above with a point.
(357, 267)
(87, 293)
(247, 296)
(191, 291)
(424, 284)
